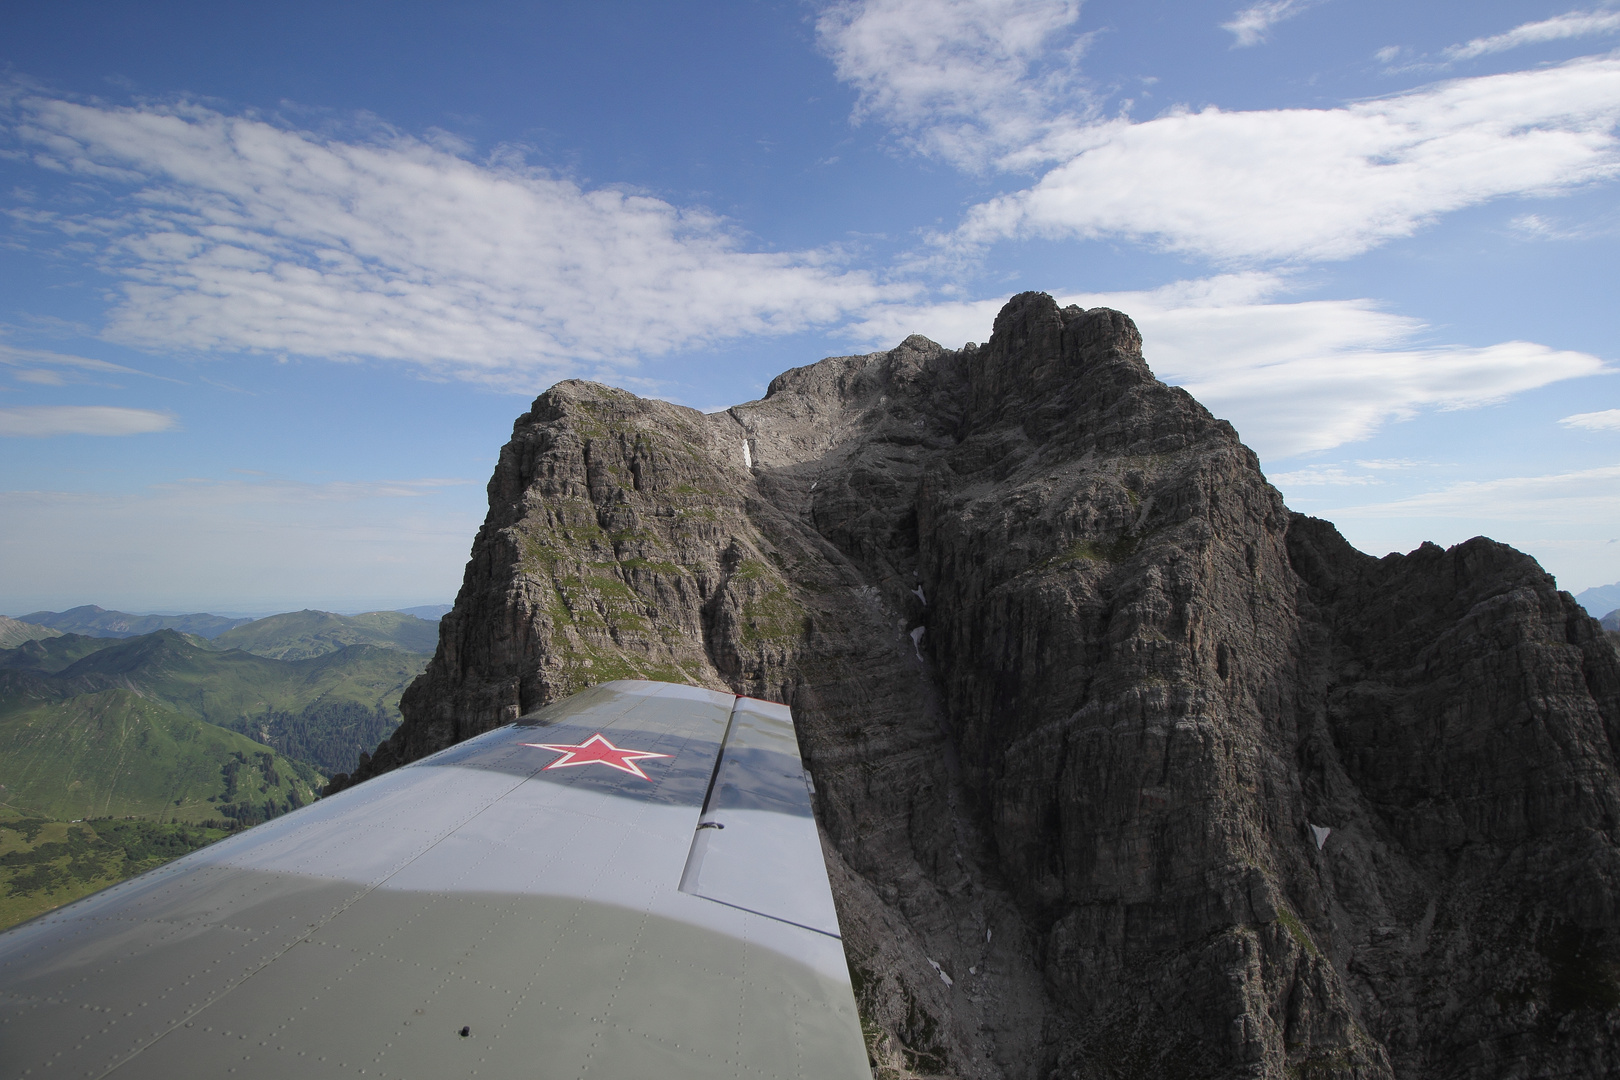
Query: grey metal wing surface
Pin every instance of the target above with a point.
(626, 884)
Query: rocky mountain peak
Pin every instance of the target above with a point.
(1036, 345)
(1124, 769)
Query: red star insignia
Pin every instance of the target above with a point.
(597, 750)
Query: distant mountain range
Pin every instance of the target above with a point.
(1601, 600)
(299, 635)
(430, 612)
(99, 622)
(95, 621)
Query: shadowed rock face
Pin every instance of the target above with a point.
(1085, 790)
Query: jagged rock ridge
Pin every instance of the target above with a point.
(1086, 790)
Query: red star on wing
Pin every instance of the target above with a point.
(597, 750)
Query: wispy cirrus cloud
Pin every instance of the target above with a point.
(40, 421)
(1606, 420)
(1355, 473)
(17, 357)
(1323, 476)
(1250, 26)
(963, 80)
(1572, 24)
(1568, 519)
(996, 83)
(42, 368)
(1584, 495)
(1320, 184)
(232, 233)
(1293, 377)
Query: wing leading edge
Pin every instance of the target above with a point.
(628, 883)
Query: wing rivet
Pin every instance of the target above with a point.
(465, 1031)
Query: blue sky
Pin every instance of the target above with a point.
(276, 279)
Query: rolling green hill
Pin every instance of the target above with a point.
(115, 753)
(300, 635)
(14, 632)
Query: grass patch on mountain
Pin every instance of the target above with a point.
(46, 863)
(117, 754)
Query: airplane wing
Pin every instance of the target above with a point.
(626, 884)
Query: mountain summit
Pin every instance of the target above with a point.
(1125, 769)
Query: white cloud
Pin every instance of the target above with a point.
(243, 235)
(1573, 24)
(1536, 227)
(1250, 25)
(1607, 420)
(966, 80)
(1586, 496)
(1293, 184)
(1372, 472)
(41, 420)
(12, 356)
(351, 545)
(41, 377)
(995, 83)
(1293, 378)
(41, 368)
(1322, 475)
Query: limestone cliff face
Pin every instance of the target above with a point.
(1086, 789)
